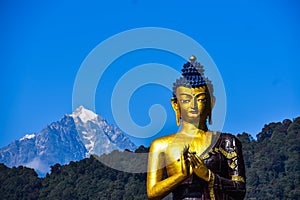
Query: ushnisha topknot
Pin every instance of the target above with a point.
(192, 76)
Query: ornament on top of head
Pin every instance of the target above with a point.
(192, 76)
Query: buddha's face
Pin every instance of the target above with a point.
(193, 104)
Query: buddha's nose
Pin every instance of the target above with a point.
(194, 103)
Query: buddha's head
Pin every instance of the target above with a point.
(193, 97)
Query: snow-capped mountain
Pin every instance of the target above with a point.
(97, 135)
(74, 137)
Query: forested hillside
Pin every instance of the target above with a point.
(272, 169)
(273, 161)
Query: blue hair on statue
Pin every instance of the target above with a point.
(192, 77)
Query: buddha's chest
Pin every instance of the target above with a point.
(213, 160)
(174, 150)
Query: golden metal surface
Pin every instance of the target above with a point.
(211, 185)
(232, 165)
(192, 58)
(166, 152)
(238, 178)
(226, 154)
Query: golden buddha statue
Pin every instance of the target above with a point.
(195, 163)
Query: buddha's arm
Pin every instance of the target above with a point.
(157, 187)
(235, 186)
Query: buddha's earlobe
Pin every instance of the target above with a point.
(210, 118)
(212, 104)
(178, 116)
(176, 108)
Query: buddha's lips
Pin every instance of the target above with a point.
(194, 112)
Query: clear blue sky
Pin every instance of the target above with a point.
(255, 45)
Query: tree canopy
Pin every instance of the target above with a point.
(272, 170)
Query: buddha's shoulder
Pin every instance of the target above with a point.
(227, 139)
(165, 140)
(227, 136)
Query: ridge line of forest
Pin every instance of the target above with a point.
(272, 164)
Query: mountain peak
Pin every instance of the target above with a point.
(74, 137)
(28, 136)
(84, 114)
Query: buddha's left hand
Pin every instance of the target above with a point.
(199, 167)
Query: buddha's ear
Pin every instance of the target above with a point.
(213, 101)
(212, 104)
(176, 108)
(174, 103)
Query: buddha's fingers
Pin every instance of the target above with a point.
(194, 161)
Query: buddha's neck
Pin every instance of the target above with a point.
(193, 129)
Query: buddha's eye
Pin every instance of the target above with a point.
(202, 100)
(184, 100)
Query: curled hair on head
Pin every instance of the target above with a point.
(193, 77)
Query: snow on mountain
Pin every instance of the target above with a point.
(83, 114)
(97, 135)
(28, 136)
(74, 137)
